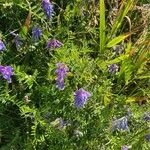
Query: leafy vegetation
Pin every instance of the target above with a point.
(74, 75)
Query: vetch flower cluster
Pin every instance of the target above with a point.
(48, 8)
(113, 68)
(53, 44)
(36, 34)
(61, 72)
(146, 116)
(118, 49)
(17, 40)
(7, 72)
(147, 137)
(80, 98)
(124, 147)
(120, 124)
(2, 46)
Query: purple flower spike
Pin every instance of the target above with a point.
(147, 137)
(118, 49)
(48, 8)
(124, 147)
(7, 72)
(36, 34)
(17, 40)
(53, 44)
(146, 116)
(113, 68)
(80, 98)
(2, 46)
(120, 124)
(61, 123)
(61, 72)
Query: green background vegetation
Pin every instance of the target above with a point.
(89, 31)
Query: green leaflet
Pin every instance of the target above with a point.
(118, 59)
(117, 40)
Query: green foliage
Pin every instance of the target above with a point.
(35, 114)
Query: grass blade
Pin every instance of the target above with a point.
(102, 26)
(125, 7)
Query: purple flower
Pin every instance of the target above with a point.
(124, 147)
(118, 49)
(120, 124)
(53, 44)
(7, 72)
(48, 8)
(36, 34)
(61, 123)
(146, 116)
(147, 137)
(80, 98)
(17, 40)
(113, 68)
(61, 72)
(2, 46)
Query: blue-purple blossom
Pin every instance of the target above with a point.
(118, 49)
(53, 44)
(113, 68)
(146, 116)
(61, 123)
(61, 72)
(80, 97)
(48, 8)
(124, 147)
(36, 34)
(147, 137)
(2, 46)
(17, 40)
(7, 72)
(120, 124)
